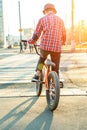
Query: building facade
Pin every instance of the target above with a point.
(2, 24)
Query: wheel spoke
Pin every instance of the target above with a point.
(52, 91)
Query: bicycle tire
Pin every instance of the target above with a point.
(39, 86)
(53, 92)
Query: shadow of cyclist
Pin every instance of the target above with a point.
(17, 113)
(41, 122)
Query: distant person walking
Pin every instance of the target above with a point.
(21, 47)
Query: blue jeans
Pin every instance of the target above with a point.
(55, 57)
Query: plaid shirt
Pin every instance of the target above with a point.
(52, 31)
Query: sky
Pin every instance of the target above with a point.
(31, 11)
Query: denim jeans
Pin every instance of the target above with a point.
(55, 57)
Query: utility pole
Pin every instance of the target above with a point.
(72, 15)
(20, 29)
(72, 27)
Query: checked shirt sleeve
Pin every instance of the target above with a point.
(38, 31)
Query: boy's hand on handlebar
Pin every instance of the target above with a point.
(31, 41)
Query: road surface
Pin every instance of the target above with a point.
(20, 109)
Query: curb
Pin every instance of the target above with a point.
(26, 93)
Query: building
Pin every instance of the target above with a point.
(2, 24)
(28, 32)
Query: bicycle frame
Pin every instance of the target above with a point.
(47, 70)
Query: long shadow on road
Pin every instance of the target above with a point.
(18, 115)
(41, 122)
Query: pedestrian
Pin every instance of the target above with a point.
(53, 35)
(30, 47)
(21, 46)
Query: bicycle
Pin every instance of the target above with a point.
(51, 80)
(52, 86)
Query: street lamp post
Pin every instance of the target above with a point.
(20, 30)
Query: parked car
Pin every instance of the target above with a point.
(16, 44)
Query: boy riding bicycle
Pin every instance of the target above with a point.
(53, 35)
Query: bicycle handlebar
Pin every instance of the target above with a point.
(34, 47)
(24, 40)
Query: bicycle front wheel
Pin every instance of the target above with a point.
(53, 92)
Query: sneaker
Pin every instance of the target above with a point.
(35, 78)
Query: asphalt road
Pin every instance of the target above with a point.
(18, 67)
(31, 113)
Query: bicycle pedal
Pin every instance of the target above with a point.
(38, 81)
(42, 82)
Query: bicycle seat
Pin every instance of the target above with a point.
(48, 62)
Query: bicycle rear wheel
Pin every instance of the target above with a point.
(53, 92)
(39, 86)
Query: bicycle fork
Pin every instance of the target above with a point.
(46, 76)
